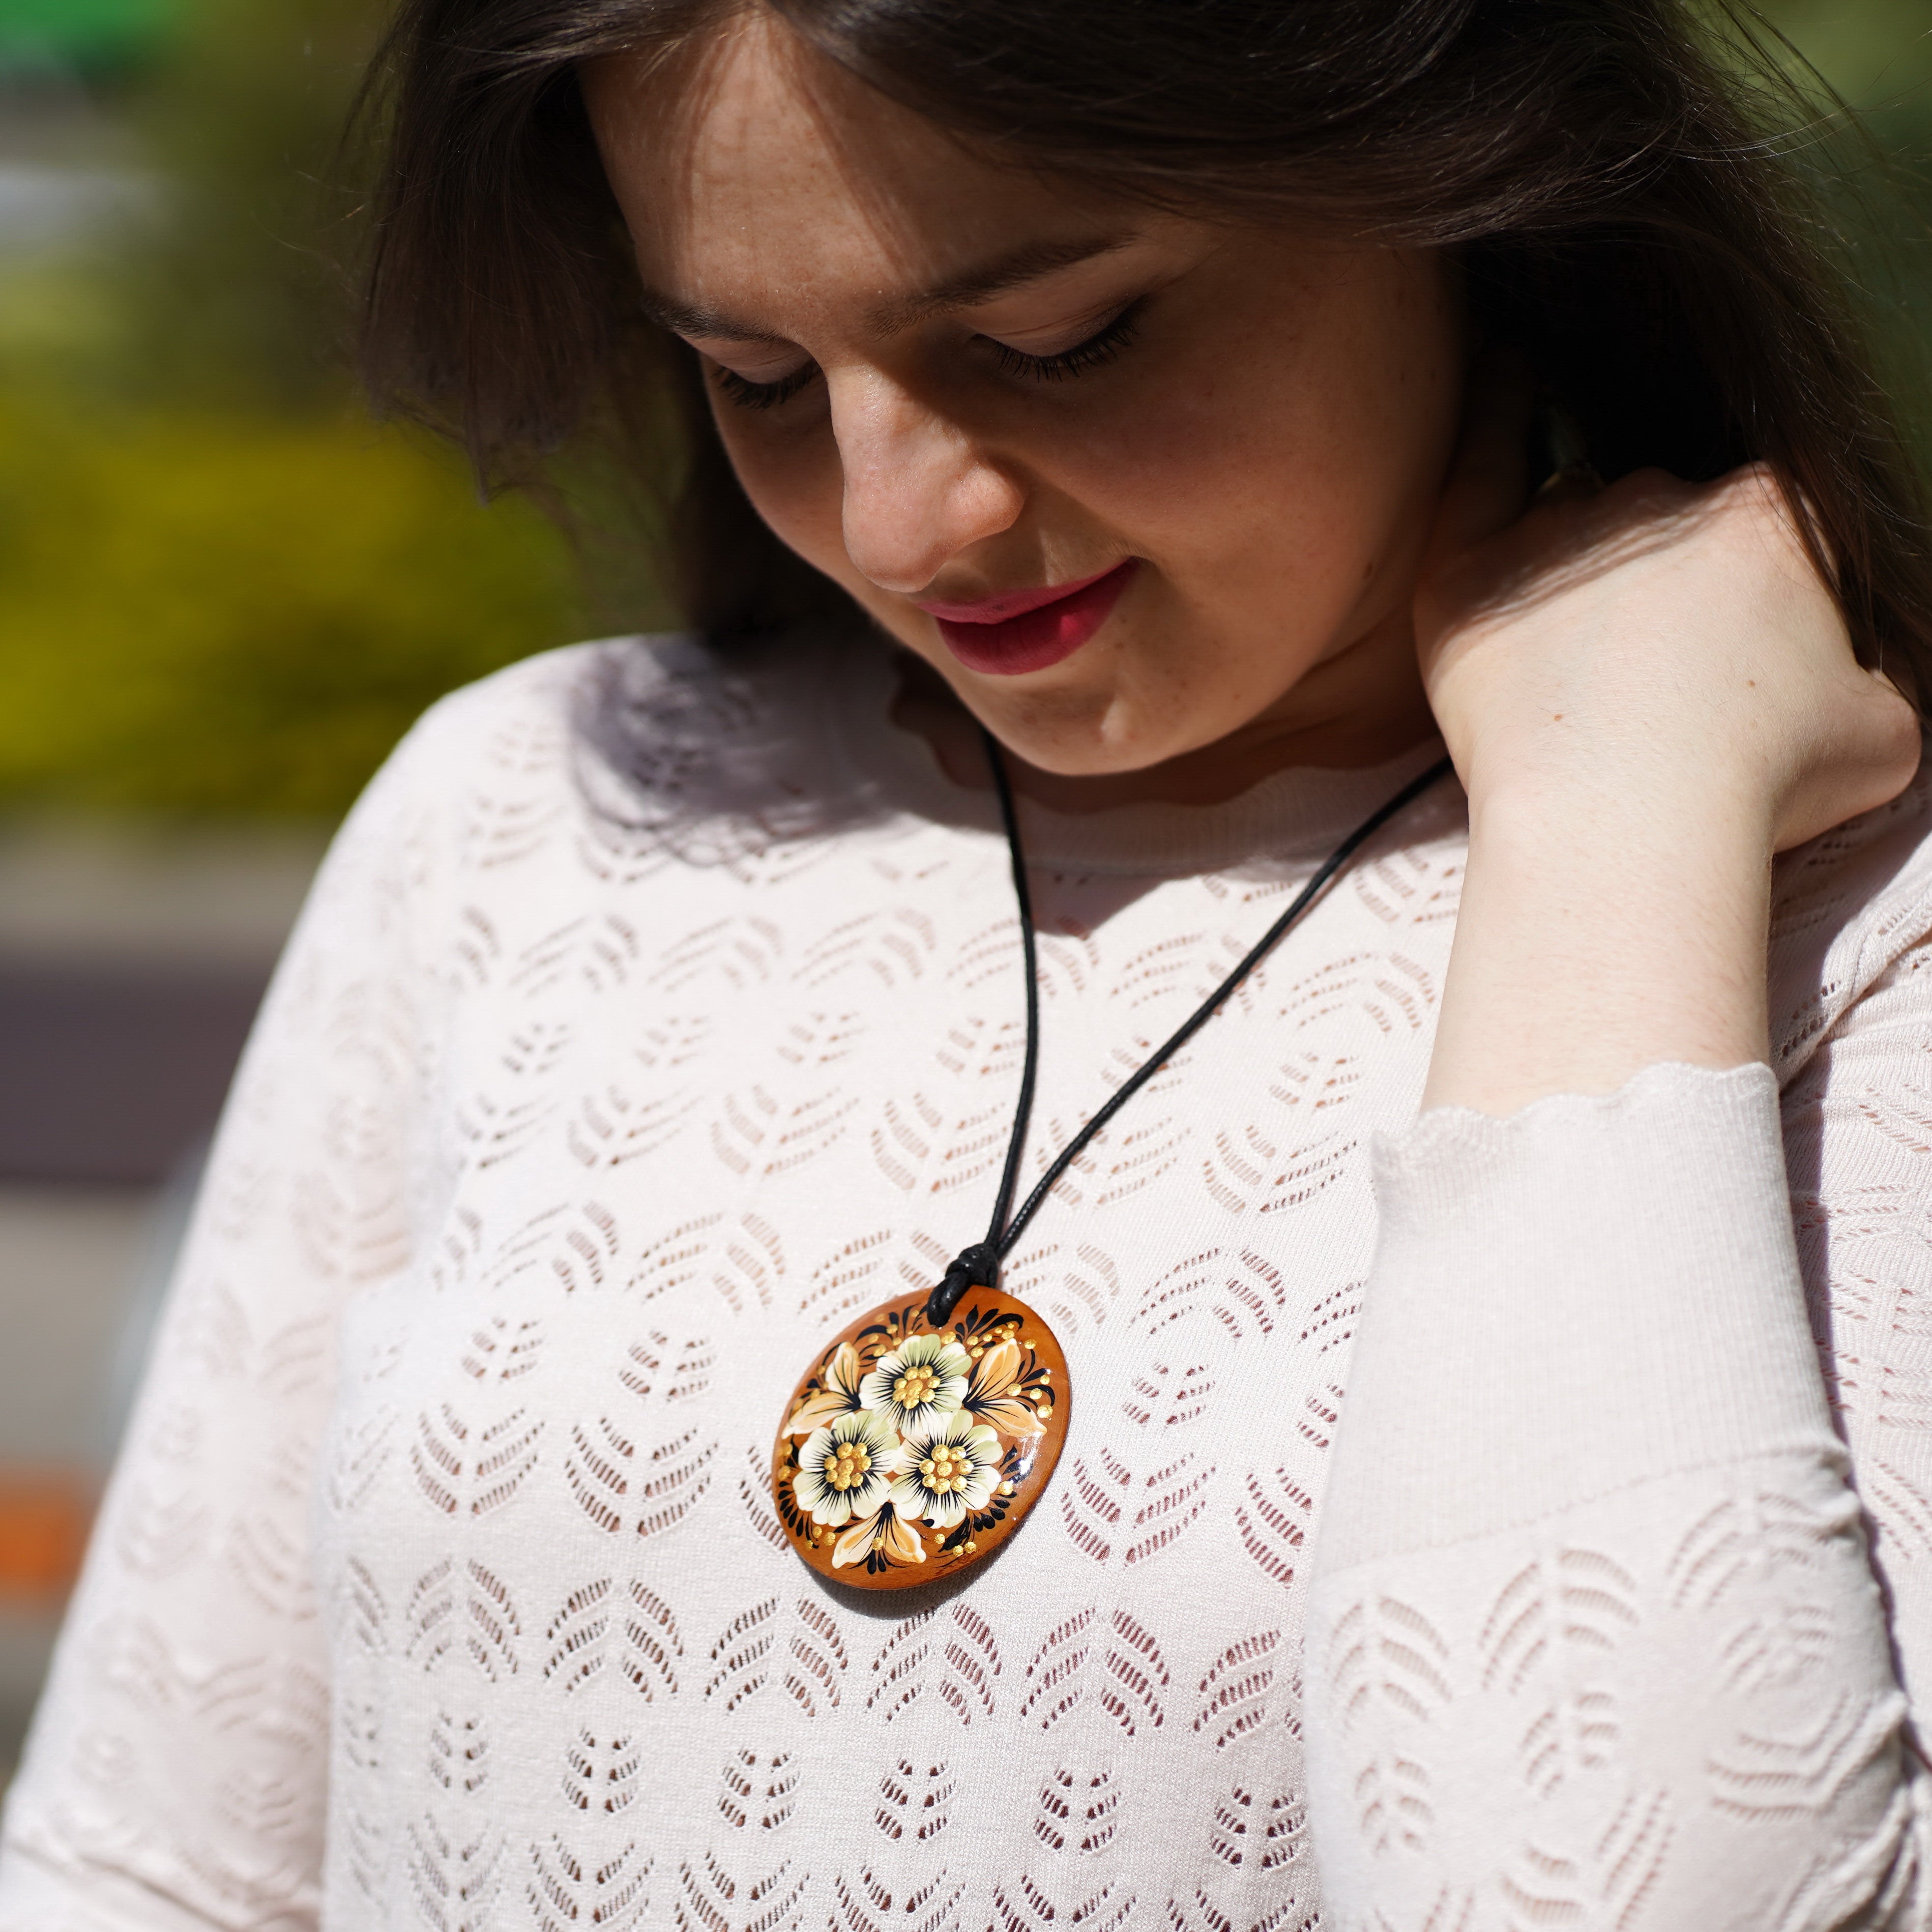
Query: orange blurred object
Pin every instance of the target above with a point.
(44, 1518)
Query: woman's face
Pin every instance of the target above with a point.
(1136, 485)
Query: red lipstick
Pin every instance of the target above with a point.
(1017, 631)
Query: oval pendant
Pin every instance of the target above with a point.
(908, 1452)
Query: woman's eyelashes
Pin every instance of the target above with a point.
(750, 395)
(1095, 352)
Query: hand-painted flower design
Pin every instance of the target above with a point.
(886, 1535)
(991, 1396)
(837, 1395)
(946, 1472)
(846, 1469)
(919, 1384)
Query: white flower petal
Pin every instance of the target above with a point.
(827, 1504)
(976, 1450)
(946, 1366)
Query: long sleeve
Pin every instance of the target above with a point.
(1595, 1637)
(175, 1774)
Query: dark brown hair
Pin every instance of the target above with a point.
(1606, 174)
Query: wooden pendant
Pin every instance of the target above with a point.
(909, 1452)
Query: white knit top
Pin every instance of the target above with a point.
(1460, 1526)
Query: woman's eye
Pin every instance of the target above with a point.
(750, 395)
(1098, 349)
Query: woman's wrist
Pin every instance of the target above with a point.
(1602, 931)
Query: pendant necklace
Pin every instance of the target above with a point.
(921, 1438)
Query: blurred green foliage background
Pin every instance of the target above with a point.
(222, 590)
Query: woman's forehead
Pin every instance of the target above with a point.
(751, 151)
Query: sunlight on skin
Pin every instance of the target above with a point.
(1647, 690)
(1269, 443)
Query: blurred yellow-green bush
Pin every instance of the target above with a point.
(222, 613)
(223, 590)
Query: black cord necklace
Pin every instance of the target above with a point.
(921, 1438)
(979, 1266)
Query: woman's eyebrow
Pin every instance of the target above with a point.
(684, 319)
(1004, 273)
(980, 284)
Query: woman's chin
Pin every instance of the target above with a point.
(1082, 742)
(1103, 751)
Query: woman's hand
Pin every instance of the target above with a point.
(1647, 691)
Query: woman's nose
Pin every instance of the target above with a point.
(917, 490)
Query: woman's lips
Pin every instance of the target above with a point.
(1018, 631)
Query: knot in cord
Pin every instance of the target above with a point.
(976, 1266)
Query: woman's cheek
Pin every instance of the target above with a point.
(794, 482)
(1196, 472)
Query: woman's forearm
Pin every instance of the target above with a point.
(1600, 934)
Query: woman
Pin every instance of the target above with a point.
(1169, 389)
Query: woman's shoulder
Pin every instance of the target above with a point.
(521, 799)
(519, 713)
(640, 703)
(664, 738)
(1851, 922)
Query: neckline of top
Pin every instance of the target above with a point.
(1278, 825)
